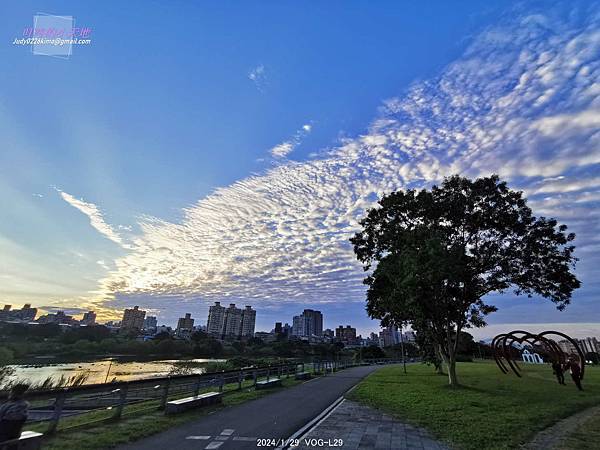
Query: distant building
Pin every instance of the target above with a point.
(389, 336)
(133, 319)
(89, 318)
(328, 333)
(308, 324)
(278, 328)
(59, 318)
(589, 345)
(248, 322)
(216, 320)
(185, 326)
(567, 347)
(231, 322)
(150, 323)
(25, 314)
(346, 334)
(298, 326)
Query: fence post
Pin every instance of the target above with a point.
(197, 387)
(287, 371)
(240, 379)
(221, 382)
(255, 377)
(59, 402)
(122, 401)
(165, 396)
(268, 373)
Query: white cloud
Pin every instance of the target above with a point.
(494, 110)
(258, 76)
(281, 150)
(95, 216)
(285, 148)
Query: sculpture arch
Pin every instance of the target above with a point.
(503, 349)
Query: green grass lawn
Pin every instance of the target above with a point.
(490, 411)
(140, 422)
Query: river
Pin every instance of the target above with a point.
(101, 370)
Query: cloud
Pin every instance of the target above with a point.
(521, 101)
(285, 148)
(95, 216)
(577, 330)
(281, 150)
(258, 76)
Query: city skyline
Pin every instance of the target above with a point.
(135, 191)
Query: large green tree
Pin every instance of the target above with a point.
(433, 255)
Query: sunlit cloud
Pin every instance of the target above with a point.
(522, 101)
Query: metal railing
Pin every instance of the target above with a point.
(86, 405)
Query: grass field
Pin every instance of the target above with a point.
(490, 411)
(136, 426)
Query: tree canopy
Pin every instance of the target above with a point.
(439, 252)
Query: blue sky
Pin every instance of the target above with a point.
(202, 151)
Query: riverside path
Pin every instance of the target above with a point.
(264, 422)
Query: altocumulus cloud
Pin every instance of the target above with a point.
(522, 101)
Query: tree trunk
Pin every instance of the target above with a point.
(439, 365)
(452, 379)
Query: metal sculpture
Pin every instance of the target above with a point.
(502, 346)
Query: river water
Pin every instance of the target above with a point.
(102, 370)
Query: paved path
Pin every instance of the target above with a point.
(276, 416)
(359, 427)
(553, 436)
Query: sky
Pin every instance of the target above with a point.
(225, 151)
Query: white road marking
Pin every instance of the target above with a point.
(213, 445)
(201, 438)
(227, 432)
(221, 438)
(245, 439)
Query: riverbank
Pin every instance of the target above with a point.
(104, 370)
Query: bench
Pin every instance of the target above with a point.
(303, 376)
(183, 404)
(29, 440)
(265, 384)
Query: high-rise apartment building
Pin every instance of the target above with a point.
(389, 336)
(248, 322)
(307, 324)
(231, 322)
(133, 319)
(216, 320)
